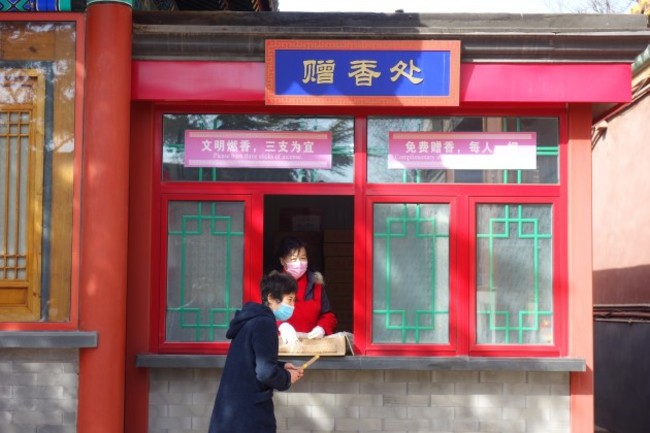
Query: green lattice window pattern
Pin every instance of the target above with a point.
(175, 125)
(410, 273)
(205, 267)
(514, 274)
(546, 128)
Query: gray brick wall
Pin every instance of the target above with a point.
(38, 390)
(380, 401)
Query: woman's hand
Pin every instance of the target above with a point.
(295, 372)
(288, 334)
(317, 332)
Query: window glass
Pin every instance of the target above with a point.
(175, 125)
(514, 274)
(37, 101)
(205, 268)
(547, 139)
(410, 291)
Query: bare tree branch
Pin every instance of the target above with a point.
(590, 6)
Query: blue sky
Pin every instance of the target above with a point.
(431, 6)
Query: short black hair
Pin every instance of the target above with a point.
(277, 285)
(288, 245)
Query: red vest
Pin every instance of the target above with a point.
(312, 308)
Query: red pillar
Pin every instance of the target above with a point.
(104, 216)
(581, 336)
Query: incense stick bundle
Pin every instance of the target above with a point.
(310, 362)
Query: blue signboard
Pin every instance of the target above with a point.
(362, 72)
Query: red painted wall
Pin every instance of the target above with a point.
(621, 208)
(480, 83)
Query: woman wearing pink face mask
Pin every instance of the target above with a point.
(312, 312)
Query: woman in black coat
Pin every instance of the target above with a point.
(244, 402)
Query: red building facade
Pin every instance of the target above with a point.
(475, 281)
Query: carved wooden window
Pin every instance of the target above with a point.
(21, 170)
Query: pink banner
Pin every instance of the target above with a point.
(463, 150)
(258, 149)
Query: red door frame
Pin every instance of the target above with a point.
(364, 196)
(365, 344)
(250, 251)
(559, 280)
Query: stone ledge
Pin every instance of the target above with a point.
(47, 339)
(382, 363)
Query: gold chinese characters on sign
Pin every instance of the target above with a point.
(362, 71)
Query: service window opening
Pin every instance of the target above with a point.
(325, 223)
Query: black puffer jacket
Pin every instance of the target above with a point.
(244, 401)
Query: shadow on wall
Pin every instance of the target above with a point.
(622, 376)
(622, 285)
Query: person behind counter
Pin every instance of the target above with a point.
(244, 401)
(313, 314)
